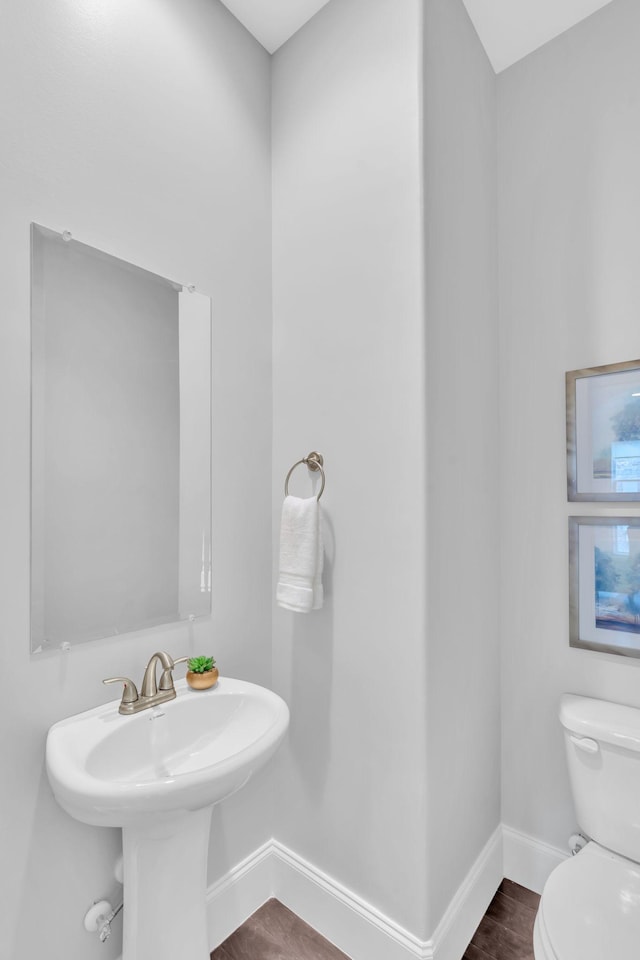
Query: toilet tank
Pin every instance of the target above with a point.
(603, 753)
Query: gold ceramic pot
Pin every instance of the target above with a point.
(202, 681)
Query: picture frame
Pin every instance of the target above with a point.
(604, 584)
(603, 432)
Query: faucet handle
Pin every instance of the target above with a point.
(130, 692)
(166, 680)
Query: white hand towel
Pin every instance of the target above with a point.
(318, 591)
(301, 556)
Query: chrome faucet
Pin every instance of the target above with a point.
(151, 693)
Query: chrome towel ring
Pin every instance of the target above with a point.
(315, 462)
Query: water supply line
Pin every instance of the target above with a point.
(577, 841)
(101, 914)
(99, 917)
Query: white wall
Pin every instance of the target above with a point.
(463, 675)
(349, 382)
(569, 154)
(142, 126)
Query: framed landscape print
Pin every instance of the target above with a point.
(604, 584)
(603, 432)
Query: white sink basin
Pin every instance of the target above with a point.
(156, 774)
(112, 770)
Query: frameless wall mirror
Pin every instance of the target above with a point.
(121, 446)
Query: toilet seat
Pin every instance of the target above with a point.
(590, 909)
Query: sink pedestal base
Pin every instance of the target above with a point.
(165, 883)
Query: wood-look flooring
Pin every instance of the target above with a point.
(506, 930)
(275, 933)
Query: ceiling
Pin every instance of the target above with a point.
(273, 21)
(508, 29)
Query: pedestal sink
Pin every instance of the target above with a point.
(157, 774)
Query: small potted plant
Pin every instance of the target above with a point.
(202, 672)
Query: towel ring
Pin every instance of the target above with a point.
(315, 462)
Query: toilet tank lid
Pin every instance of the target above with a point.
(601, 720)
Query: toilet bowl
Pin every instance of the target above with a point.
(590, 905)
(590, 909)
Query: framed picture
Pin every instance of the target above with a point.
(603, 432)
(604, 584)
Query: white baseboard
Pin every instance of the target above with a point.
(529, 861)
(353, 925)
(239, 893)
(470, 902)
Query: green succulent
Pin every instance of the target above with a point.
(201, 664)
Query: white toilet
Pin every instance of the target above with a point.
(590, 905)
